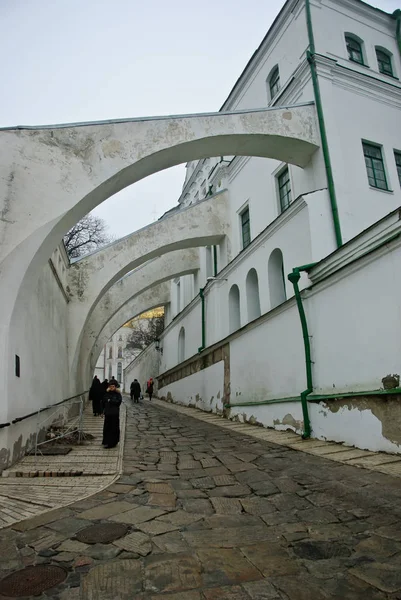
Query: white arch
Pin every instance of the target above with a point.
(181, 345)
(252, 295)
(234, 308)
(276, 278)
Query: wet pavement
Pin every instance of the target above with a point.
(203, 512)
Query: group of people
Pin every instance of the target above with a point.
(106, 400)
(136, 391)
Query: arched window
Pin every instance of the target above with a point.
(384, 61)
(234, 309)
(120, 352)
(276, 278)
(109, 377)
(354, 48)
(252, 295)
(274, 82)
(181, 345)
(111, 352)
(119, 372)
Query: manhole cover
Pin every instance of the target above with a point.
(103, 533)
(31, 581)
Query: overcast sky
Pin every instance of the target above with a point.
(86, 60)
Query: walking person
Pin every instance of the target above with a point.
(105, 385)
(111, 425)
(114, 382)
(149, 388)
(135, 390)
(96, 395)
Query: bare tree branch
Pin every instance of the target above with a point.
(89, 234)
(146, 331)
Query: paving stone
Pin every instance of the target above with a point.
(301, 588)
(231, 491)
(203, 483)
(383, 576)
(72, 546)
(191, 494)
(392, 532)
(172, 542)
(159, 488)
(241, 466)
(172, 573)
(261, 590)
(70, 594)
(224, 480)
(253, 477)
(104, 511)
(271, 559)
(316, 515)
(180, 517)
(135, 542)
(138, 515)
(64, 557)
(329, 531)
(156, 527)
(221, 566)
(103, 551)
(378, 547)
(257, 506)
(318, 550)
(230, 520)
(163, 500)
(232, 592)
(43, 519)
(213, 471)
(187, 595)
(120, 488)
(47, 540)
(226, 505)
(228, 538)
(82, 561)
(198, 506)
(69, 526)
(112, 580)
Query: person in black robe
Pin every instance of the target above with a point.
(111, 426)
(105, 385)
(96, 394)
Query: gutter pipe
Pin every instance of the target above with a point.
(397, 16)
(203, 319)
(294, 277)
(311, 58)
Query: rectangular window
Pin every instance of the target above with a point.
(397, 156)
(384, 63)
(284, 189)
(245, 228)
(274, 83)
(375, 166)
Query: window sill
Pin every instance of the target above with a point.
(377, 189)
(355, 62)
(387, 75)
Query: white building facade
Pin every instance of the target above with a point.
(115, 357)
(234, 341)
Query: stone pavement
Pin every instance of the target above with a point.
(211, 513)
(43, 482)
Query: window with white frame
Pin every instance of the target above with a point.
(245, 227)
(354, 48)
(274, 82)
(284, 189)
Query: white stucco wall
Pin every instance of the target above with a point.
(142, 368)
(204, 389)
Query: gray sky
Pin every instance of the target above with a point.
(85, 60)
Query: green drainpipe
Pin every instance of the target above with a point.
(397, 17)
(203, 319)
(294, 277)
(311, 57)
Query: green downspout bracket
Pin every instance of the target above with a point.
(294, 277)
(203, 319)
(311, 58)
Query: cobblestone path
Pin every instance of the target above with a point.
(212, 514)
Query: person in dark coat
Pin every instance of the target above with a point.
(149, 388)
(111, 426)
(105, 385)
(96, 394)
(135, 390)
(114, 382)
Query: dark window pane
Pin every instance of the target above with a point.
(354, 50)
(397, 156)
(384, 63)
(375, 166)
(284, 189)
(246, 229)
(274, 82)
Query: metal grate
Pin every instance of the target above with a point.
(32, 581)
(103, 533)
